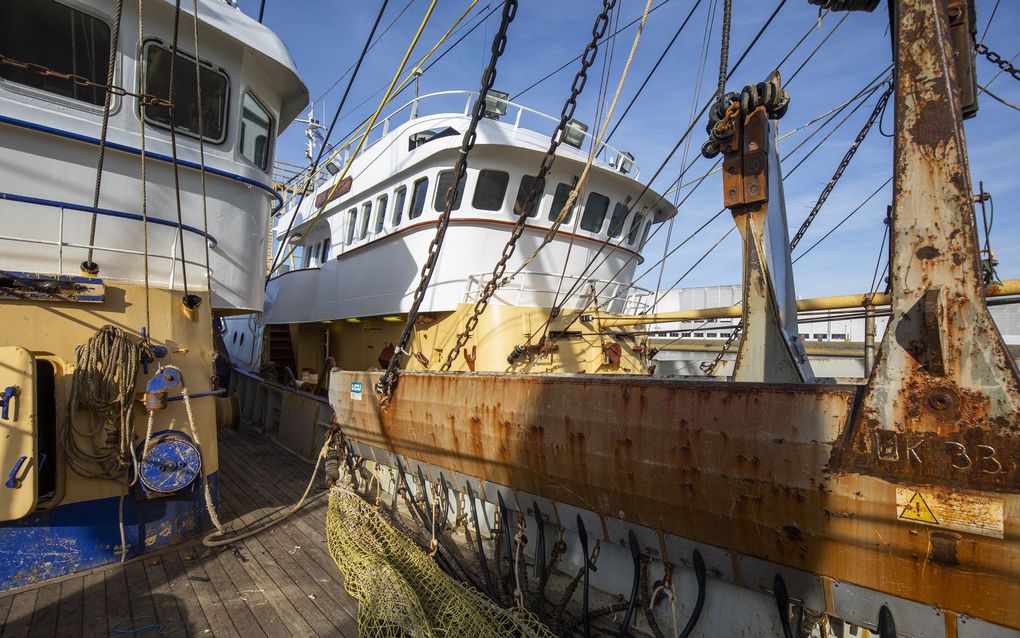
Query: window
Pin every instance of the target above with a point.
(325, 250)
(674, 334)
(442, 186)
(256, 132)
(644, 235)
(839, 336)
(418, 195)
(366, 214)
(490, 189)
(527, 183)
(635, 226)
(352, 220)
(559, 200)
(698, 334)
(57, 37)
(186, 116)
(616, 221)
(594, 212)
(820, 337)
(398, 205)
(380, 214)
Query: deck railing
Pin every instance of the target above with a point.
(614, 296)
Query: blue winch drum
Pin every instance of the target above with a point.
(170, 463)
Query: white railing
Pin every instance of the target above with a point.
(612, 296)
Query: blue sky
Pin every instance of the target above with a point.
(326, 37)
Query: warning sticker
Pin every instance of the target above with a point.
(356, 390)
(950, 509)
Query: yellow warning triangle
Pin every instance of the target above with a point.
(918, 510)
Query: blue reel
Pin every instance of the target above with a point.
(170, 463)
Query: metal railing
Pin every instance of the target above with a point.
(614, 294)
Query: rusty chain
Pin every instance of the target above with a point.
(388, 382)
(710, 368)
(538, 187)
(81, 80)
(998, 60)
(879, 106)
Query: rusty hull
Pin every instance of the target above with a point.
(741, 466)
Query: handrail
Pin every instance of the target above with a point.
(626, 293)
(53, 203)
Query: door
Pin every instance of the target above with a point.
(18, 442)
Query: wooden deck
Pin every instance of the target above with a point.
(279, 583)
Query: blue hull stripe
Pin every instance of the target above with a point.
(72, 538)
(78, 137)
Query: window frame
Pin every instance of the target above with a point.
(381, 204)
(141, 63)
(411, 214)
(587, 206)
(352, 226)
(366, 219)
(36, 92)
(519, 203)
(478, 183)
(554, 210)
(240, 122)
(399, 201)
(618, 232)
(440, 205)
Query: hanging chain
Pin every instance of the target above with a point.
(724, 50)
(879, 106)
(710, 368)
(388, 382)
(82, 81)
(538, 187)
(998, 60)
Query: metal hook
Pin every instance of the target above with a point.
(783, 603)
(700, 574)
(886, 624)
(587, 564)
(478, 542)
(635, 553)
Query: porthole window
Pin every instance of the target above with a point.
(352, 224)
(215, 88)
(366, 214)
(380, 213)
(616, 220)
(57, 37)
(594, 212)
(559, 201)
(398, 205)
(442, 186)
(418, 195)
(256, 132)
(527, 183)
(490, 189)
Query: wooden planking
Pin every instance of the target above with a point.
(281, 582)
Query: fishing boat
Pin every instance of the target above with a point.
(522, 440)
(136, 144)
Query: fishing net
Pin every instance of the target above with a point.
(400, 589)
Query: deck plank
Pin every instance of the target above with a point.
(281, 582)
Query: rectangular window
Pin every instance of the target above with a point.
(635, 226)
(840, 336)
(380, 214)
(57, 37)
(366, 214)
(644, 235)
(490, 189)
(398, 205)
(325, 250)
(559, 200)
(442, 186)
(418, 196)
(214, 94)
(527, 183)
(616, 221)
(256, 132)
(594, 212)
(352, 223)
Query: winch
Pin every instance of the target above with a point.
(170, 463)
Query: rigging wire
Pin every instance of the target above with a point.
(988, 25)
(190, 301)
(815, 50)
(329, 132)
(844, 220)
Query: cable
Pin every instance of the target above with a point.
(999, 99)
(815, 50)
(844, 220)
(329, 131)
(989, 24)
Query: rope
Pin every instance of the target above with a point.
(89, 266)
(569, 204)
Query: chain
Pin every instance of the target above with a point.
(538, 187)
(879, 106)
(998, 60)
(710, 368)
(80, 80)
(388, 381)
(724, 50)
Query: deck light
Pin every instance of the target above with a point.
(392, 319)
(574, 133)
(495, 104)
(352, 320)
(624, 162)
(332, 168)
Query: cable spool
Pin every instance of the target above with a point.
(170, 463)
